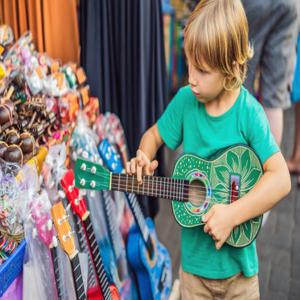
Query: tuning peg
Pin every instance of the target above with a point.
(82, 182)
(93, 184)
(93, 169)
(83, 167)
(65, 217)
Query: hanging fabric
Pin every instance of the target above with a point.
(122, 51)
(53, 23)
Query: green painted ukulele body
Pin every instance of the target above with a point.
(226, 178)
(239, 167)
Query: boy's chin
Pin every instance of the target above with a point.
(203, 100)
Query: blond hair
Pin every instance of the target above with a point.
(217, 34)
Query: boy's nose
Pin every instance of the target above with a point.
(192, 82)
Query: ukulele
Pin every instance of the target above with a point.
(66, 239)
(109, 126)
(197, 184)
(149, 259)
(79, 207)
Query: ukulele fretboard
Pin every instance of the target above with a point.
(163, 187)
(55, 262)
(99, 266)
(77, 276)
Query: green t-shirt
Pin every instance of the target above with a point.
(186, 121)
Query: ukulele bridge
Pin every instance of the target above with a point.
(235, 184)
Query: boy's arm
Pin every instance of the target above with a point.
(151, 142)
(143, 163)
(269, 190)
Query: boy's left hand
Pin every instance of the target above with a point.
(219, 223)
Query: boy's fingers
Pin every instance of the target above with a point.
(207, 216)
(133, 166)
(139, 157)
(139, 170)
(153, 165)
(219, 244)
(128, 168)
(206, 228)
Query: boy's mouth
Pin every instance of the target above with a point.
(196, 94)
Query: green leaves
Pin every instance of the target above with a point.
(222, 173)
(233, 161)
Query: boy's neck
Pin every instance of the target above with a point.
(222, 103)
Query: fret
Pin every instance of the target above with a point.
(94, 250)
(89, 226)
(159, 186)
(166, 188)
(152, 187)
(173, 189)
(132, 184)
(119, 182)
(92, 245)
(78, 266)
(179, 190)
(182, 189)
(156, 190)
(126, 182)
(148, 190)
(143, 193)
(173, 185)
(79, 277)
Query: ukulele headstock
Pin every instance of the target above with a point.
(73, 195)
(63, 228)
(91, 176)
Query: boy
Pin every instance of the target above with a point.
(214, 112)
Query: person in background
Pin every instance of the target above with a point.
(273, 28)
(294, 161)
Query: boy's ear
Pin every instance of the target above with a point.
(235, 67)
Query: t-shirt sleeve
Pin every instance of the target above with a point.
(260, 138)
(170, 124)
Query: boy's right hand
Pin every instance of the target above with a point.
(141, 165)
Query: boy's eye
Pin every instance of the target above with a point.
(202, 71)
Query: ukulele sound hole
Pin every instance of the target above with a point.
(197, 193)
